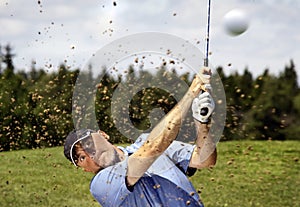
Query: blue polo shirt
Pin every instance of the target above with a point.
(164, 184)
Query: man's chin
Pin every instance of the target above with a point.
(110, 159)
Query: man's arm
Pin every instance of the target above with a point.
(161, 136)
(205, 153)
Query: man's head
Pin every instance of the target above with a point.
(90, 150)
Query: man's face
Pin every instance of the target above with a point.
(98, 150)
(85, 162)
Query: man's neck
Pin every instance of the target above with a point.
(120, 153)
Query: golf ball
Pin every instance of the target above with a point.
(235, 22)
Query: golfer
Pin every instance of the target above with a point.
(154, 170)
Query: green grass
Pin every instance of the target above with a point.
(248, 173)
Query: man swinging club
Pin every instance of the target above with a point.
(153, 171)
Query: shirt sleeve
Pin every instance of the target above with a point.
(137, 144)
(180, 153)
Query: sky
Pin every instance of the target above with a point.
(51, 32)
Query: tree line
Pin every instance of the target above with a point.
(36, 106)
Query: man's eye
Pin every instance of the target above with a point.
(81, 158)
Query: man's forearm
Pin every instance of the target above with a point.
(205, 152)
(167, 129)
(161, 136)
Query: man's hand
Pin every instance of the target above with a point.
(204, 100)
(201, 81)
(205, 75)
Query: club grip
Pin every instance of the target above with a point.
(204, 111)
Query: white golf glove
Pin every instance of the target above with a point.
(205, 103)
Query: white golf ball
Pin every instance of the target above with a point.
(235, 22)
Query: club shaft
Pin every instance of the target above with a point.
(207, 34)
(204, 111)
